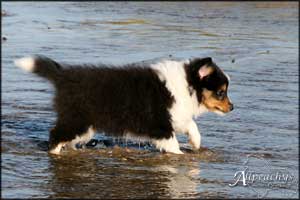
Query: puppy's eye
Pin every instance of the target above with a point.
(220, 94)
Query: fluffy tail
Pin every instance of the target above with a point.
(40, 65)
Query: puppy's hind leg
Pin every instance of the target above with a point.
(83, 138)
(56, 142)
(63, 134)
(57, 149)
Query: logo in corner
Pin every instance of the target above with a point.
(261, 177)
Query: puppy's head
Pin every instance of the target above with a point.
(211, 85)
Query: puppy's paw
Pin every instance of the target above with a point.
(175, 151)
(196, 143)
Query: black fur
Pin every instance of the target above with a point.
(47, 68)
(112, 99)
(210, 82)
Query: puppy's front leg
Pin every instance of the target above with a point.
(194, 135)
(170, 145)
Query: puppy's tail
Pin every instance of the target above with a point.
(40, 65)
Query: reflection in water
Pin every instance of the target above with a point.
(125, 173)
(82, 175)
(182, 180)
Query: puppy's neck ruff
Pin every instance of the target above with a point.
(186, 105)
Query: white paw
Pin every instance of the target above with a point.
(57, 149)
(196, 142)
(170, 145)
(177, 152)
(194, 135)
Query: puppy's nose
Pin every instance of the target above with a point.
(231, 107)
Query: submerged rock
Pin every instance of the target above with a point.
(3, 13)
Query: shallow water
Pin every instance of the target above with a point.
(255, 43)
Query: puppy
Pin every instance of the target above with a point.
(153, 101)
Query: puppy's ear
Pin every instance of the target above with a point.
(202, 67)
(206, 60)
(205, 67)
(204, 71)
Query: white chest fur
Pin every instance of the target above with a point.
(186, 106)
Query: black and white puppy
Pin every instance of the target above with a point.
(154, 101)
